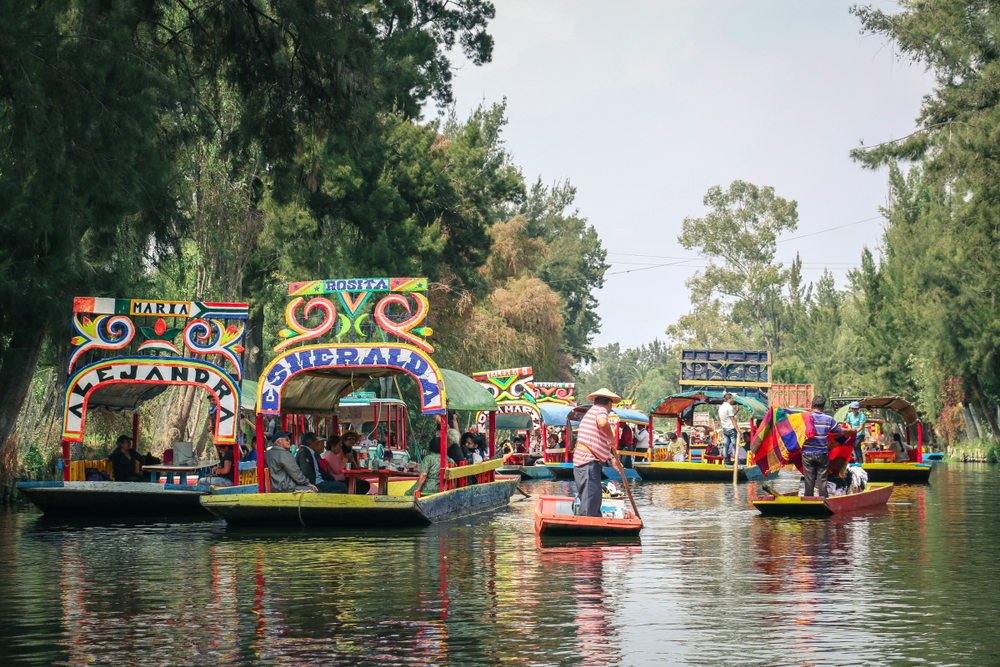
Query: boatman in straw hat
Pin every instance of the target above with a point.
(593, 448)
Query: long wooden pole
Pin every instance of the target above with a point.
(736, 453)
(628, 491)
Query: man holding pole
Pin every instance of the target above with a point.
(593, 447)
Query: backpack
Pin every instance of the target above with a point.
(95, 475)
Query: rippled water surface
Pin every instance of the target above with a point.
(709, 582)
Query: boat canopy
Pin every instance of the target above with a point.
(466, 394)
(905, 409)
(124, 396)
(682, 405)
(513, 421)
(623, 414)
(554, 415)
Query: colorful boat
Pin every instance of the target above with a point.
(791, 504)
(681, 407)
(310, 381)
(554, 516)
(571, 417)
(125, 353)
(914, 471)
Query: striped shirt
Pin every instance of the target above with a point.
(591, 437)
(824, 424)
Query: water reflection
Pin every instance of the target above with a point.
(710, 582)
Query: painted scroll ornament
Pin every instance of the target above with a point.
(198, 332)
(407, 328)
(92, 337)
(296, 333)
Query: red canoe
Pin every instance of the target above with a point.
(554, 516)
(792, 505)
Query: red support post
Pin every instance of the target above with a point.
(493, 434)
(65, 453)
(920, 443)
(261, 488)
(569, 440)
(652, 450)
(444, 449)
(135, 431)
(284, 422)
(336, 425)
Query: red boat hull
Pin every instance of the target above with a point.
(551, 519)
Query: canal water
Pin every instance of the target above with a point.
(708, 583)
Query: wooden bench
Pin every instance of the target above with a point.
(249, 476)
(459, 476)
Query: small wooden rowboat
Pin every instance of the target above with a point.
(554, 516)
(791, 504)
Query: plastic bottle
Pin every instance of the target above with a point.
(576, 506)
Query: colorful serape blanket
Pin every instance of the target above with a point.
(782, 434)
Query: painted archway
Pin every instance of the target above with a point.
(395, 356)
(153, 370)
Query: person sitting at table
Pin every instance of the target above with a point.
(223, 474)
(430, 471)
(286, 476)
(123, 461)
(347, 442)
(307, 457)
(331, 458)
(384, 452)
(900, 449)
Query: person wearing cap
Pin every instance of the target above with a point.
(307, 458)
(593, 447)
(123, 461)
(286, 476)
(730, 429)
(856, 420)
(816, 451)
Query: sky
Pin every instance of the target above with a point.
(643, 106)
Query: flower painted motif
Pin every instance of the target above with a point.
(226, 344)
(119, 333)
(160, 337)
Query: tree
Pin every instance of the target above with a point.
(575, 265)
(741, 232)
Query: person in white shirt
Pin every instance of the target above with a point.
(642, 441)
(730, 429)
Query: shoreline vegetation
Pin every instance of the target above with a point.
(262, 163)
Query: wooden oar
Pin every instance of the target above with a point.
(628, 491)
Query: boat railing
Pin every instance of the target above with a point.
(459, 476)
(78, 469)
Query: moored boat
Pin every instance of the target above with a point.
(899, 473)
(127, 352)
(791, 504)
(914, 471)
(686, 471)
(308, 382)
(554, 516)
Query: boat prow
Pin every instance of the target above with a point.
(554, 516)
(116, 499)
(876, 495)
(337, 510)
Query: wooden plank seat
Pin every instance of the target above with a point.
(459, 476)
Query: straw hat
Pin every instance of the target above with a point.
(606, 393)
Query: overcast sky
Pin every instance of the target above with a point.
(643, 106)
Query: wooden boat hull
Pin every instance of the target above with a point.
(898, 473)
(564, 471)
(116, 499)
(548, 522)
(670, 471)
(329, 510)
(876, 495)
(561, 471)
(526, 472)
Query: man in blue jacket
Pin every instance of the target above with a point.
(816, 451)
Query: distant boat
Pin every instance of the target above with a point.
(554, 516)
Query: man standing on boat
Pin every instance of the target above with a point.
(642, 442)
(816, 451)
(856, 420)
(730, 429)
(593, 448)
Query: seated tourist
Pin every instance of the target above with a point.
(223, 474)
(430, 471)
(900, 449)
(123, 461)
(286, 476)
(331, 459)
(347, 452)
(307, 458)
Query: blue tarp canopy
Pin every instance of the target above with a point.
(624, 414)
(554, 415)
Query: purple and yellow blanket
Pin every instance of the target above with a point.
(780, 438)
